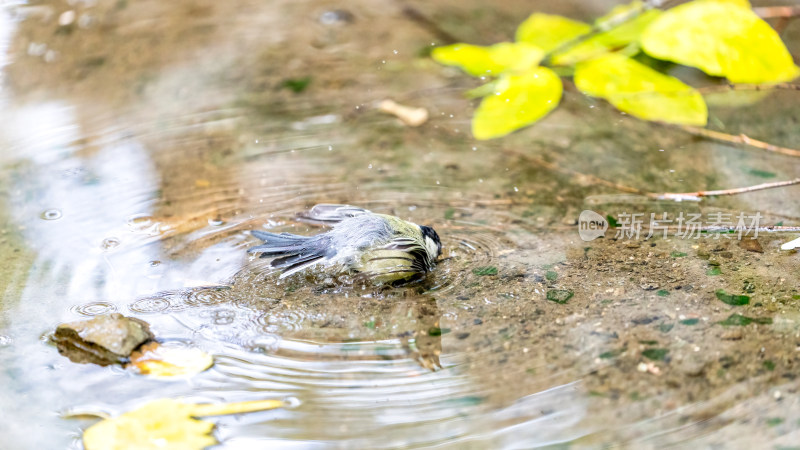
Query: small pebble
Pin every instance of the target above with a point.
(66, 18)
(732, 335)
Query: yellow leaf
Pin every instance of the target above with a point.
(548, 31)
(494, 60)
(159, 424)
(722, 39)
(518, 101)
(641, 91)
(165, 424)
(734, 99)
(619, 36)
(161, 361)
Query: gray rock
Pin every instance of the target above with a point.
(103, 340)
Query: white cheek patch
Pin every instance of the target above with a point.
(432, 247)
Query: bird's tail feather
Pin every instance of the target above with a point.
(292, 252)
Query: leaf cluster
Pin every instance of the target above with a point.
(723, 38)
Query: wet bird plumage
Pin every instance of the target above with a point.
(379, 246)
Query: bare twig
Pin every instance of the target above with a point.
(748, 87)
(768, 12)
(696, 196)
(739, 139)
(683, 196)
(417, 16)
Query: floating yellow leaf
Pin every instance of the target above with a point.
(622, 26)
(641, 91)
(165, 424)
(494, 60)
(548, 31)
(722, 39)
(163, 361)
(518, 101)
(627, 33)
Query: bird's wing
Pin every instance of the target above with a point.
(399, 259)
(330, 214)
(292, 253)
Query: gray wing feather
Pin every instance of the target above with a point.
(292, 252)
(330, 214)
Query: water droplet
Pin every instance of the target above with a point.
(94, 308)
(516, 189)
(51, 214)
(140, 222)
(336, 17)
(224, 317)
(395, 52)
(149, 305)
(330, 148)
(370, 166)
(110, 243)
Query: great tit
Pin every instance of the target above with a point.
(380, 247)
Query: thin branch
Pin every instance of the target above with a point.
(748, 87)
(696, 196)
(769, 12)
(683, 196)
(421, 19)
(742, 139)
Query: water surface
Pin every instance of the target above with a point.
(142, 141)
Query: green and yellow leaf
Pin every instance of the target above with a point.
(489, 61)
(161, 361)
(641, 91)
(620, 36)
(518, 101)
(721, 38)
(547, 31)
(165, 424)
(622, 26)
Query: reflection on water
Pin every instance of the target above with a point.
(129, 180)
